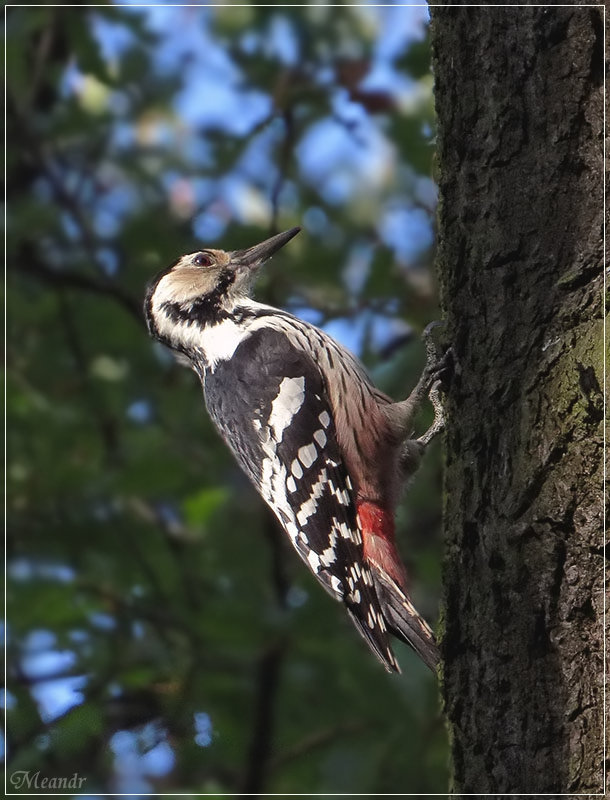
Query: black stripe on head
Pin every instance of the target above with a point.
(204, 310)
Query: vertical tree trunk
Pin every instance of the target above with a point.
(520, 112)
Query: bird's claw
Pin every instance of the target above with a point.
(439, 358)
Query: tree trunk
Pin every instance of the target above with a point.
(519, 96)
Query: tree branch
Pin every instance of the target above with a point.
(315, 740)
(71, 279)
(259, 752)
(106, 422)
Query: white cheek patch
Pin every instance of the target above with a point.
(180, 333)
(182, 287)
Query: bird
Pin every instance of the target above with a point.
(327, 450)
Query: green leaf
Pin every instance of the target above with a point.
(199, 507)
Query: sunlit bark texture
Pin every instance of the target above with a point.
(520, 110)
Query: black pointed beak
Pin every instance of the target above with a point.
(253, 257)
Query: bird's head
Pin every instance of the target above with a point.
(204, 286)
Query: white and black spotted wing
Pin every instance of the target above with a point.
(270, 403)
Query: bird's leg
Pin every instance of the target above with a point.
(438, 424)
(401, 414)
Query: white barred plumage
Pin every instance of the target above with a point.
(324, 447)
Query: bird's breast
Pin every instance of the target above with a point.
(219, 342)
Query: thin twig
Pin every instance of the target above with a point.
(284, 161)
(107, 424)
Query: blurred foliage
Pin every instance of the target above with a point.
(161, 635)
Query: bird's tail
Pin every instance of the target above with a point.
(403, 621)
(389, 578)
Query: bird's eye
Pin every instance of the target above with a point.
(202, 260)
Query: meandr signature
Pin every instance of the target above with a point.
(27, 779)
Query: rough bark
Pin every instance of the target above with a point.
(519, 95)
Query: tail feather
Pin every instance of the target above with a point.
(403, 621)
(380, 645)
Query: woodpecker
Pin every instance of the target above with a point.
(326, 450)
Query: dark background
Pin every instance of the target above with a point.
(161, 635)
